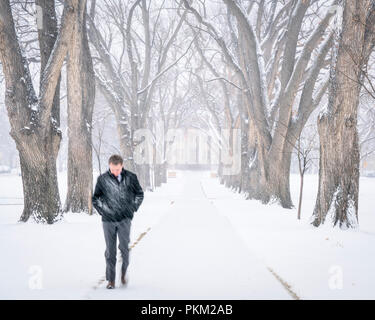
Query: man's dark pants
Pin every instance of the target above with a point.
(111, 230)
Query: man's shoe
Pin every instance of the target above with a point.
(111, 285)
(124, 280)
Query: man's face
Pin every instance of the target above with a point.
(115, 168)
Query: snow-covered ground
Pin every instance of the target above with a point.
(203, 241)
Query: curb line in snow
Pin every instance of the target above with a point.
(284, 284)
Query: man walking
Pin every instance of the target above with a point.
(117, 196)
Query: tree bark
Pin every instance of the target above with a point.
(337, 198)
(81, 95)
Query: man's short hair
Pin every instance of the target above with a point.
(115, 159)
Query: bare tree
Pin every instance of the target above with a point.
(34, 127)
(81, 98)
(304, 149)
(128, 78)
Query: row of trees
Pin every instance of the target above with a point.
(280, 60)
(260, 66)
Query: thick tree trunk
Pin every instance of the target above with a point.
(278, 178)
(34, 121)
(143, 173)
(338, 170)
(257, 187)
(81, 94)
(39, 178)
(269, 180)
(88, 88)
(337, 198)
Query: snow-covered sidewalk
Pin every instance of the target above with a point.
(194, 253)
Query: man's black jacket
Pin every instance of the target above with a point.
(116, 200)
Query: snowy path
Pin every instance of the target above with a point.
(193, 252)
